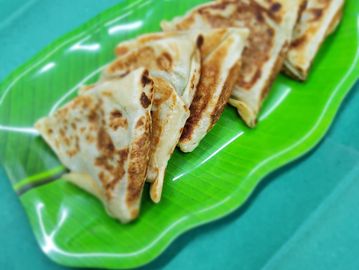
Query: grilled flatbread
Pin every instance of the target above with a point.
(102, 137)
(270, 23)
(319, 19)
(220, 57)
(173, 57)
(174, 63)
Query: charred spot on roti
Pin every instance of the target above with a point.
(104, 162)
(133, 60)
(104, 143)
(66, 141)
(77, 144)
(164, 61)
(317, 13)
(116, 114)
(103, 178)
(145, 101)
(62, 132)
(247, 85)
(89, 138)
(117, 120)
(93, 117)
(140, 122)
(124, 74)
(298, 42)
(71, 152)
(163, 91)
(114, 169)
(83, 101)
(145, 78)
(194, 80)
(200, 41)
(275, 7)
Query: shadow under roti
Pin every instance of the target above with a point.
(182, 241)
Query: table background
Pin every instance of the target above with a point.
(303, 216)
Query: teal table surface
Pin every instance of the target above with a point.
(303, 216)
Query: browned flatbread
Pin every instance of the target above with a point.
(270, 23)
(172, 56)
(103, 138)
(220, 57)
(319, 19)
(173, 60)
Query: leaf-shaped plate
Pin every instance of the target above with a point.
(71, 226)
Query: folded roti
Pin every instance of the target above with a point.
(173, 57)
(174, 63)
(102, 137)
(270, 23)
(319, 19)
(220, 57)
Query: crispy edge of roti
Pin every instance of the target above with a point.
(138, 154)
(195, 66)
(166, 132)
(221, 57)
(300, 72)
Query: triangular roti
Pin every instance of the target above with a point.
(103, 138)
(173, 57)
(270, 23)
(220, 57)
(174, 64)
(319, 18)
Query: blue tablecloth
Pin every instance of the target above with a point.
(304, 216)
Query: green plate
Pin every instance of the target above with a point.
(71, 227)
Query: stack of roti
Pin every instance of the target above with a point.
(271, 26)
(169, 89)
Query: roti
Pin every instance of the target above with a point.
(103, 138)
(173, 61)
(319, 19)
(271, 25)
(221, 53)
